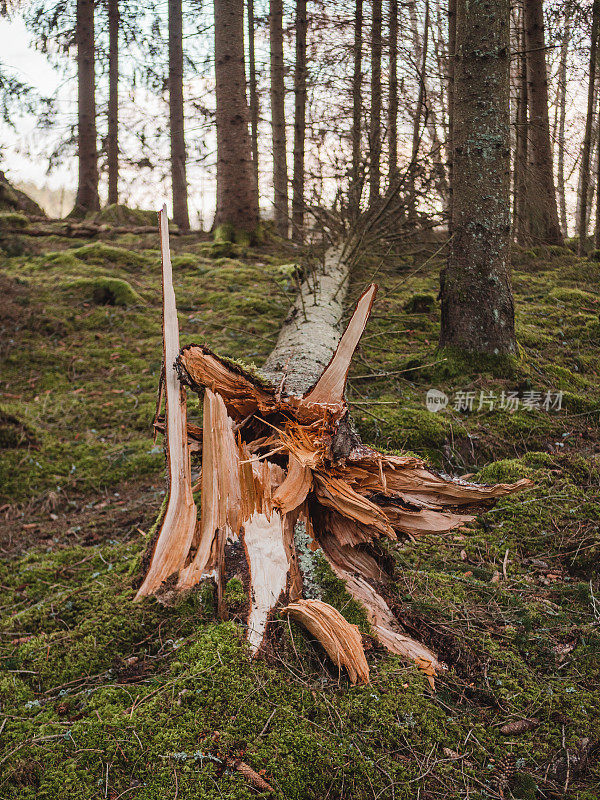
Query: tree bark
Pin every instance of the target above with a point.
(356, 182)
(477, 304)
(237, 191)
(562, 116)
(87, 198)
(280, 176)
(597, 226)
(375, 115)
(253, 89)
(584, 182)
(542, 211)
(521, 144)
(451, 72)
(176, 117)
(300, 74)
(393, 96)
(113, 102)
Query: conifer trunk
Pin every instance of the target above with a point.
(237, 191)
(176, 117)
(253, 88)
(280, 177)
(562, 117)
(375, 115)
(356, 182)
(300, 71)
(113, 102)
(87, 189)
(542, 211)
(393, 96)
(477, 304)
(521, 142)
(584, 179)
(451, 72)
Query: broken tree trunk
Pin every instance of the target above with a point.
(281, 465)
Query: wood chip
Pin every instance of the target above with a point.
(341, 640)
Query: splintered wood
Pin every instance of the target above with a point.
(274, 458)
(177, 529)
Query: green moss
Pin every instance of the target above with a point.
(235, 592)
(224, 233)
(507, 470)
(575, 297)
(100, 253)
(188, 261)
(62, 258)
(122, 216)
(11, 219)
(15, 431)
(420, 303)
(105, 291)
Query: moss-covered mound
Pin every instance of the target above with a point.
(104, 291)
(122, 216)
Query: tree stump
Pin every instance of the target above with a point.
(279, 456)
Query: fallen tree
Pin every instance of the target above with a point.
(283, 467)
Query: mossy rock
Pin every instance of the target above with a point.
(420, 303)
(122, 216)
(101, 253)
(12, 219)
(105, 291)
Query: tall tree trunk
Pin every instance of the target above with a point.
(113, 102)
(280, 177)
(562, 115)
(542, 211)
(237, 191)
(451, 71)
(356, 178)
(299, 122)
(176, 118)
(477, 304)
(253, 89)
(587, 139)
(393, 97)
(87, 190)
(597, 226)
(416, 133)
(375, 117)
(521, 139)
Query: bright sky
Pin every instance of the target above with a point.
(30, 66)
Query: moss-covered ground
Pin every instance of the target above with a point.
(103, 698)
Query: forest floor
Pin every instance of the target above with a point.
(104, 698)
